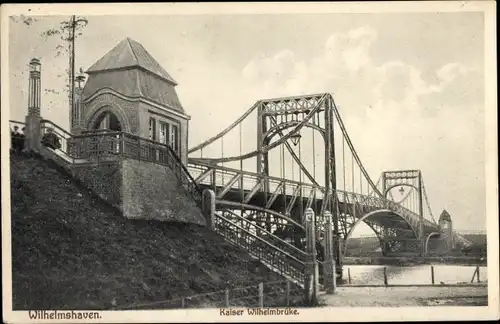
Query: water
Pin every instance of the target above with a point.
(421, 274)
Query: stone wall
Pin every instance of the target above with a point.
(104, 179)
(152, 191)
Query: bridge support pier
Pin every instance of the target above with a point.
(329, 272)
(33, 132)
(311, 272)
(208, 199)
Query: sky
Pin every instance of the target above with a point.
(409, 86)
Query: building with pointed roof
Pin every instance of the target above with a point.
(445, 216)
(128, 90)
(446, 230)
(130, 54)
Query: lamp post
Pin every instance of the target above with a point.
(33, 119)
(35, 68)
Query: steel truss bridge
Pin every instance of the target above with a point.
(277, 202)
(262, 206)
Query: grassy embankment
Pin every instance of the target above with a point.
(70, 250)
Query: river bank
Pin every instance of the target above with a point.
(411, 261)
(406, 296)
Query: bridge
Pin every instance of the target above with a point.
(302, 181)
(278, 203)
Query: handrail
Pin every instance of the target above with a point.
(260, 239)
(11, 121)
(192, 163)
(269, 233)
(132, 136)
(46, 121)
(183, 175)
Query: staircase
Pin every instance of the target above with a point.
(275, 253)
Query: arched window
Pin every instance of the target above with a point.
(108, 120)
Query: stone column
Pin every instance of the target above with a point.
(311, 271)
(33, 119)
(330, 278)
(208, 203)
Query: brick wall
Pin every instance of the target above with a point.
(152, 191)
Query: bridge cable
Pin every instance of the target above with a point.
(360, 182)
(241, 164)
(275, 144)
(352, 173)
(300, 158)
(343, 163)
(358, 160)
(225, 131)
(412, 202)
(222, 153)
(314, 149)
(294, 156)
(427, 200)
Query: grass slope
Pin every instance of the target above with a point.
(72, 251)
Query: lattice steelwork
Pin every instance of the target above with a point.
(277, 204)
(268, 208)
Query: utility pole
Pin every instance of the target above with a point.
(71, 28)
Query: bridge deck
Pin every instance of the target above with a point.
(259, 199)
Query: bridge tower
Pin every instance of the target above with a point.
(446, 231)
(411, 179)
(284, 118)
(128, 90)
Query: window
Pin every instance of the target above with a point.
(152, 129)
(164, 132)
(174, 138)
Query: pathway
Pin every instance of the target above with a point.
(405, 296)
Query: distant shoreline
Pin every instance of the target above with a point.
(409, 261)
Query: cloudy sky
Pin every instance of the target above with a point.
(410, 86)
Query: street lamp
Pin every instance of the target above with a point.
(79, 80)
(295, 138)
(35, 65)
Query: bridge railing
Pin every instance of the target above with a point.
(260, 248)
(221, 177)
(110, 145)
(259, 231)
(381, 203)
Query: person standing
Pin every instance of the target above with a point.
(15, 140)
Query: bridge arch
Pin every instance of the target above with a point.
(273, 131)
(363, 220)
(398, 185)
(426, 249)
(228, 203)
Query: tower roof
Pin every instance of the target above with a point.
(127, 54)
(445, 216)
